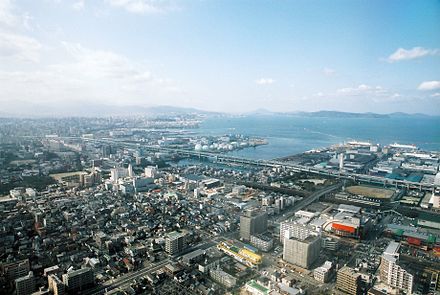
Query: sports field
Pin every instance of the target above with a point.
(369, 191)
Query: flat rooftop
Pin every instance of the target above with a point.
(392, 248)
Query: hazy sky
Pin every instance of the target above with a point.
(237, 56)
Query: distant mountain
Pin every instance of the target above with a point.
(260, 111)
(87, 109)
(405, 115)
(177, 110)
(336, 114)
(17, 108)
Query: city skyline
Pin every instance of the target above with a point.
(218, 56)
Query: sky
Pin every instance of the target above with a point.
(228, 56)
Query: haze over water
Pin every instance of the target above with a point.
(289, 135)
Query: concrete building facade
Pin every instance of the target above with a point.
(252, 222)
(348, 281)
(175, 242)
(302, 252)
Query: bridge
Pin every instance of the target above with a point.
(286, 166)
(396, 183)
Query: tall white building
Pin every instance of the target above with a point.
(393, 274)
(341, 161)
(130, 170)
(150, 171)
(295, 230)
(116, 173)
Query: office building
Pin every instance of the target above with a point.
(348, 281)
(252, 222)
(302, 252)
(25, 285)
(175, 242)
(78, 279)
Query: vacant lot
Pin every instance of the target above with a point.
(368, 191)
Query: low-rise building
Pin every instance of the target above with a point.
(223, 277)
(262, 242)
(323, 273)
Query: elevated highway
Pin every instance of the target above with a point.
(297, 168)
(224, 158)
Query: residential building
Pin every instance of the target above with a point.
(175, 242)
(16, 269)
(25, 285)
(393, 274)
(302, 252)
(78, 279)
(348, 281)
(56, 286)
(296, 230)
(322, 274)
(223, 278)
(262, 242)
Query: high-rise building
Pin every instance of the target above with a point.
(25, 285)
(348, 281)
(252, 222)
(294, 230)
(130, 171)
(78, 279)
(116, 173)
(105, 151)
(302, 252)
(393, 274)
(150, 172)
(175, 242)
(56, 286)
(15, 270)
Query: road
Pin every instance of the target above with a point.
(124, 279)
(270, 164)
(112, 286)
(307, 201)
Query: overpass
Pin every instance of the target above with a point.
(217, 157)
(370, 179)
